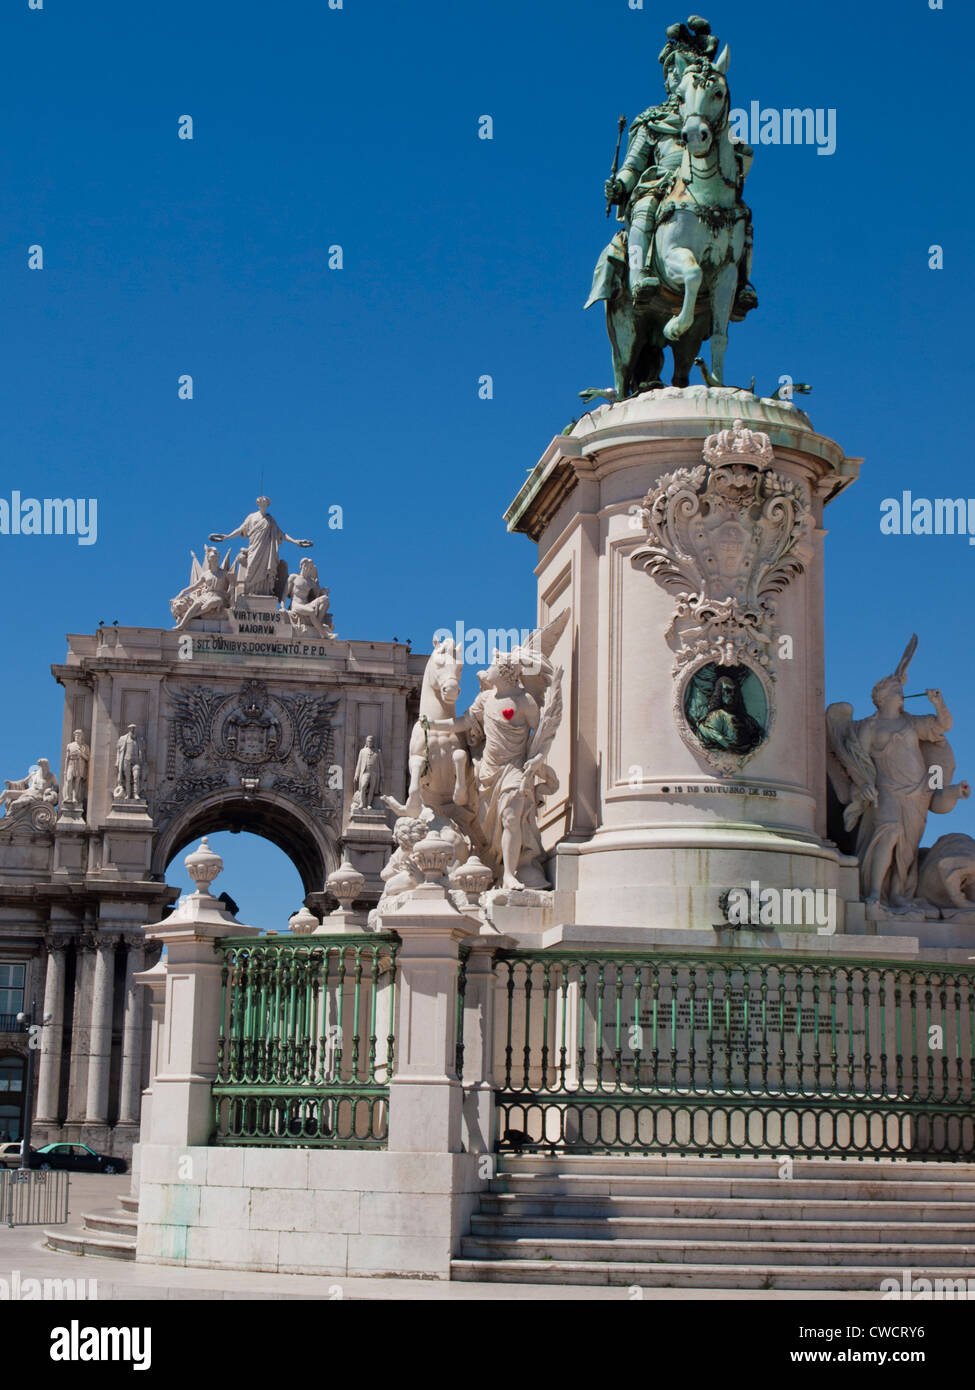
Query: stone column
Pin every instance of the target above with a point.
(130, 1086)
(100, 1054)
(52, 1034)
(80, 1028)
(425, 1093)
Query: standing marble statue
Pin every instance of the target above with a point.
(890, 770)
(39, 787)
(678, 270)
(77, 756)
(264, 573)
(368, 779)
(130, 766)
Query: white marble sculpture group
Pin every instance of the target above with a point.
(256, 572)
(478, 779)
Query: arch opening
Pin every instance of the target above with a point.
(306, 842)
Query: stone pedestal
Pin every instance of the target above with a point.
(652, 830)
(367, 843)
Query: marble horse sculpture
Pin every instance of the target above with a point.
(441, 776)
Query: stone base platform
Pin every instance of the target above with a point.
(305, 1211)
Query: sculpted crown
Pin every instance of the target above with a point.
(738, 445)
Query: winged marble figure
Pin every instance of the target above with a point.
(889, 770)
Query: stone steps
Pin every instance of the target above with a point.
(110, 1234)
(713, 1251)
(615, 1228)
(578, 1185)
(847, 1278)
(114, 1223)
(721, 1223)
(834, 1169)
(746, 1208)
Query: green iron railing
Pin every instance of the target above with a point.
(306, 1041)
(680, 1052)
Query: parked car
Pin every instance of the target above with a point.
(10, 1154)
(78, 1158)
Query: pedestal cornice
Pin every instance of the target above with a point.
(662, 419)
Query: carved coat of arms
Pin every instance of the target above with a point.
(250, 737)
(726, 536)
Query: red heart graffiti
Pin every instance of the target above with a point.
(508, 713)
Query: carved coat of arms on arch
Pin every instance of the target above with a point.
(726, 536)
(250, 730)
(217, 738)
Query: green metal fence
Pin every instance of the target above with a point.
(638, 1052)
(306, 1041)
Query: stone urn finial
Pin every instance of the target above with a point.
(433, 854)
(472, 877)
(346, 884)
(303, 922)
(203, 866)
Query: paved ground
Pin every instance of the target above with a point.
(22, 1249)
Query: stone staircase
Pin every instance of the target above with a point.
(110, 1234)
(701, 1223)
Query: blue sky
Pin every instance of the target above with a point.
(358, 386)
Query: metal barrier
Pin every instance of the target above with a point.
(688, 1053)
(306, 1041)
(30, 1197)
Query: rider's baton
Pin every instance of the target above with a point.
(616, 157)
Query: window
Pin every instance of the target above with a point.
(11, 1097)
(12, 982)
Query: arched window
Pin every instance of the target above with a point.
(12, 1074)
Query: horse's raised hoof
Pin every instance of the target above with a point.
(673, 329)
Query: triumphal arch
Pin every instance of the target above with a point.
(248, 713)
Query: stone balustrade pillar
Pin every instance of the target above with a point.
(425, 1093)
(479, 1043)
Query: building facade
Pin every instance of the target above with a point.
(167, 736)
